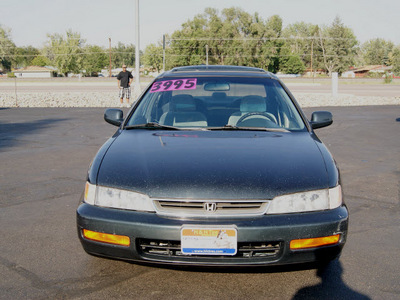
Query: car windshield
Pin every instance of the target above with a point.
(201, 103)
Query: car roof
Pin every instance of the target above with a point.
(217, 70)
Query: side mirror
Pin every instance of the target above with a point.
(321, 119)
(114, 116)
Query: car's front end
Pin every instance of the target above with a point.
(261, 240)
(173, 186)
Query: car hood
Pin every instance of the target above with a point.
(213, 164)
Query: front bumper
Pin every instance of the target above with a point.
(263, 240)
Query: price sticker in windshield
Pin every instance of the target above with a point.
(174, 85)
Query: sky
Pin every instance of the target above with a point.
(98, 20)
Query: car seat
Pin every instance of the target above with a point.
(183, 113)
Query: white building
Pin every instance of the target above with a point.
(34, 72)
(115, 72)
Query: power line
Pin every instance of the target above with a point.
(244, 47)
(63, 54)
(259, 39)
(253, 56)
(193, 47)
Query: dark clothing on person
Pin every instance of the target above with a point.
(124, 78)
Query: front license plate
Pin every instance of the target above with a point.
(209, 240)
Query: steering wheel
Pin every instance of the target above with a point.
(268, 116)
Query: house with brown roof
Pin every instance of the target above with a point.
(374, 69)
(34, 72)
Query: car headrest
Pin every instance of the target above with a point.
(219, 95)
(253, 103)
(181, 103)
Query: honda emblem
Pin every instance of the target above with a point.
(210, 207)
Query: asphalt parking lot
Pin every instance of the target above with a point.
(44, 155)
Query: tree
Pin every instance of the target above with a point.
(290, 63)
(274, 29)
(188, 45)
(123, 54)
(338, 46)
(95, 59)
(40, 61)
(233, 37)
(300, 39)
(24, 56)
(377, 52)
(153, 57)
(7, 49)
(396, 60)
(66, 52)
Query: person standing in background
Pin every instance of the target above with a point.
(124, 84)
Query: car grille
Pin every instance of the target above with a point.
(173, 249)
(207, 208)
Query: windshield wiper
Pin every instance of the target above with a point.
(230, 127)
(152, 125)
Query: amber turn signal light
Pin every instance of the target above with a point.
(106, 238)
(314, 242)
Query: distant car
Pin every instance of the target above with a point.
(215, 166)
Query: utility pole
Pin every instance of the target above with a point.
(137, 60)
(163, 45)
(312, 49)
(206, 55)
(16, 96)
(109, 39)
(335, 84)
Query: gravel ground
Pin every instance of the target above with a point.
(109, 99)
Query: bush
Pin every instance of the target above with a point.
(291, 65)
(374, 75)
(10, 75)
(387, 78)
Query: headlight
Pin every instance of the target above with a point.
(90, 193)
(306, 201)
(116, 198)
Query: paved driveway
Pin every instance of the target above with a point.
(44, 155)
